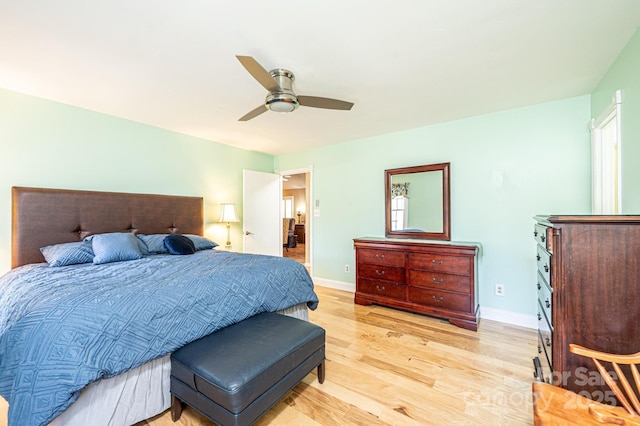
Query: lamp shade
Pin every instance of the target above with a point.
(228, 213)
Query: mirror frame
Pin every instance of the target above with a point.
(446, 202)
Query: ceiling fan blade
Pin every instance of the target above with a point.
(258, 72)
(327, 103)
(253, 113)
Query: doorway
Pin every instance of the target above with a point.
(296, 196)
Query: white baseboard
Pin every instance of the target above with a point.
(338, 285)
(508, 317)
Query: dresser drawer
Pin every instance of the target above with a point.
(544, 297)
(381, 257)
(435, 280)
(541, 369)
(545, 335)
(544, 264)
(381, 272)
(439, 299)
(382, 288)
(542, 235)
(441, 263)
(544, 364)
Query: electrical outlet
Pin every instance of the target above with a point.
(499, 290)
(347, 268)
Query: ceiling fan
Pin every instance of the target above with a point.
(281, 97)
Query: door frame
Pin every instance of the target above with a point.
(308, 214)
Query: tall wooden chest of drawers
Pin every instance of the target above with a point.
(436, 278)
(588, 286)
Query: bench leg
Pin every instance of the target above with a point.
(176, 408)
(321, 372)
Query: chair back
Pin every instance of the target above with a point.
(624, 391)
(288, 228)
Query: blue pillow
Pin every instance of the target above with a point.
(115, 247)
(67, 254)
(143, 247)
(179, 244)
(154, 243)
(201, 243)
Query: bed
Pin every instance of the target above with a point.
(53, 369)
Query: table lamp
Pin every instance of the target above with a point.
(228, 215)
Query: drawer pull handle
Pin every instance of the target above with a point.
(546, 302)
(379, 256)
(539, 349)
(547, 341)
(437, 281)
(539, 286)
(535, 233)
(542, 238)
(380, 288)
(538, 257)
(438, 262)
(539, 316)
(439, 299)
(546, 267)
(379, 273)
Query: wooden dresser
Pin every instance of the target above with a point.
(437, 278)
(299, 232)
(588, 286)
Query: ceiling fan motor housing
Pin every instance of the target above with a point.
(283, 99)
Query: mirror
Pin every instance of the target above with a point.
(417, 202)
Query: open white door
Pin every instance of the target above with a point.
(261, 213)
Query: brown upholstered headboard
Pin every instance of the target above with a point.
(42, 217)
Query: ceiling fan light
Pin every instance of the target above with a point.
(281, 101)
(281, 106)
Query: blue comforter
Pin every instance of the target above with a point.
(62, 328)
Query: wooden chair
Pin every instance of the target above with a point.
(555, 406)
(627, 395)
(288, 233)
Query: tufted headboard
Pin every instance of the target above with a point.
(41, 217)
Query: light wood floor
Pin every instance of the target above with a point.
(387, 367)
(296, 253)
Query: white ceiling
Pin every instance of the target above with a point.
(404, 63)
(297, 181)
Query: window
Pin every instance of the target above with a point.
(605, 160)
(287, 206)
(399, 214)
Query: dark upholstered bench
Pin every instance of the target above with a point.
(236, 374)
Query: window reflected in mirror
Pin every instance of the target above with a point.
(399, 211)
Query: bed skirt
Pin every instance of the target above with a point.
(132, 396)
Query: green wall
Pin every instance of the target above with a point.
(624, 75)
(48, 144)
(505, 168)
